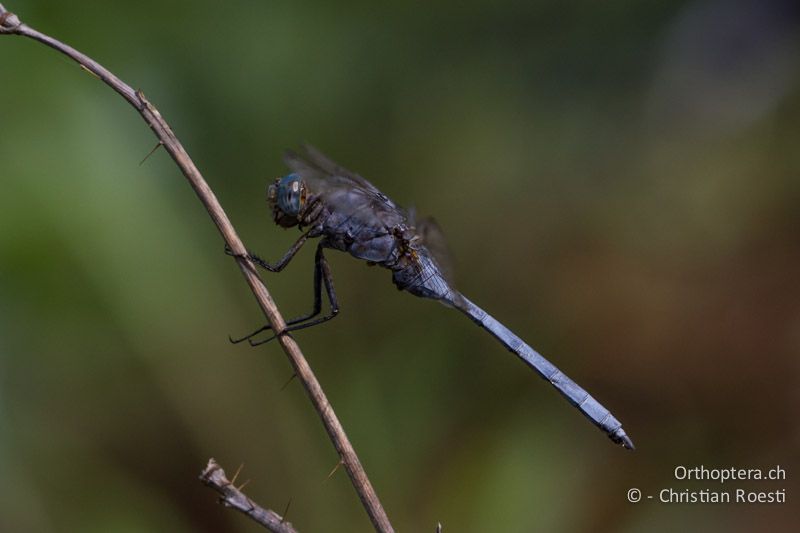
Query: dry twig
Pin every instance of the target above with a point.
(10, 24)
(230, 496)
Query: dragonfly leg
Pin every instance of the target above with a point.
(322, 274)
(283, 261)
(314, 311)
(276, 267)
(250, 336)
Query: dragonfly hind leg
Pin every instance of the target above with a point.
(322, 274)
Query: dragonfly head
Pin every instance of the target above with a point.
(286, 197)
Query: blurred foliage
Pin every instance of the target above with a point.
(619, 184)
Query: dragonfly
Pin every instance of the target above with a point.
(348, 213)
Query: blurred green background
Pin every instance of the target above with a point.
(618, 182)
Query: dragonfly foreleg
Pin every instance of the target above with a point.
(322, 274)
(283, 261)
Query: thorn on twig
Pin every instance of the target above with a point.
(236, 474)
(151, 152)
(287, 383)
(92, 74)
(243, 485)
(439, 527)
(286, 511)
(335, 468)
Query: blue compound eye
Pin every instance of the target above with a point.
(288, 194)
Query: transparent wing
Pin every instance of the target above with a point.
(311, 163)
(434, 240)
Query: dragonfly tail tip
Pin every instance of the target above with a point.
(625, 440)
(620, 437)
